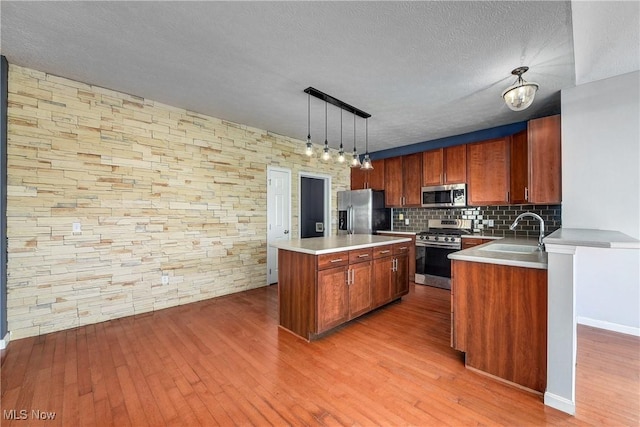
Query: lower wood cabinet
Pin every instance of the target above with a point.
(390, 273)
(499, 319)
(318, 293)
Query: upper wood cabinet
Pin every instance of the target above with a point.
(545, 160)
(403, 180)
(374, 179)
(536, 163)
(518, 168)
(488, 172)
(445, 166)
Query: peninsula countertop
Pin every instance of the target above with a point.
(483, 253)
(331, 244)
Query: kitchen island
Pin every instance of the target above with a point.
(324, 282)
(499, 310)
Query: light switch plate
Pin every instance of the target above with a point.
(77, 227)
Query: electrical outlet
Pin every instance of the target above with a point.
(406, 221)
(401, 217)
(77, 227)
(165, 279)
(490, 223)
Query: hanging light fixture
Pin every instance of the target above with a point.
(341, 151)
(366, 163)
(309, 150)
(325, 152)
(520, 95)
(355, 161)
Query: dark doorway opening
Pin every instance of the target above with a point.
(312, 220)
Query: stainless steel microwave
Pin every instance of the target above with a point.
(444, 196)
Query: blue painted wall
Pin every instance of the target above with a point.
(480, 135)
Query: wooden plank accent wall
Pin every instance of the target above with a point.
(157, 189)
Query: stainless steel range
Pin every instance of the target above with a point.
(432, 247)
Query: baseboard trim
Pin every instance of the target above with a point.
(615, 327)
(5, 341)
(560, 403)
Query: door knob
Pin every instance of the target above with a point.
(286, 231)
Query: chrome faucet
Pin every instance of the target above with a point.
(536, 216)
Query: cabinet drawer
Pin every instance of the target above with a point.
(382, 251)
(469, 243)
(360, 255)
(401, 248)
(335, 259)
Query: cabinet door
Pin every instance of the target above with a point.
(360, 289)
(393, 182)
(401, 277)
(376, 176)
(519, 168)
(382, 278)
(358, 179)
(412, 179)
(488, 172)
(432, 167)
(333, 298)
(455, 164)
(545, 174)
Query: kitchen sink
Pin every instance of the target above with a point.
(507, 248)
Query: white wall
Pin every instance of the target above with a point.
(601, 155)
(601, 190)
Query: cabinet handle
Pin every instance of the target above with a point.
(353, 277)
(385, 252)
(507, 197)
(403, 201)
(440, 178)
(336, 260)
(445, 177)
(526, 193)
(363, 256)
(348, 277)
(404, 248)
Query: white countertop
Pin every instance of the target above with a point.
(592, 238)
(408, 233)
(536, 259)
(481, 236)
(331, 244)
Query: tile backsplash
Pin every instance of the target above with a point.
(502, 216)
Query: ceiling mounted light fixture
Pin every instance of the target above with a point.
(355, 161)
(520, 95)
(309, 150)
(325, 153)
(328, 99)
(366, 163)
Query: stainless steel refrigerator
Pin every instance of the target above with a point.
(362, 212)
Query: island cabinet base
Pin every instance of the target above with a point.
(499, 319)
(317, 293)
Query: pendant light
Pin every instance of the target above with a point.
(520, 95)
(355, 161)
(341, 151)
(325, 153)
(309, 150)
(366, 163)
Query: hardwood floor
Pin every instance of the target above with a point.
(225, 362)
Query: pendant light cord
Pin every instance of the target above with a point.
(308, 117)
(325, 123)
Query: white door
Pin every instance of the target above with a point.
(278, 215)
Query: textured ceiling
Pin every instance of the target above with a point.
(423, 70)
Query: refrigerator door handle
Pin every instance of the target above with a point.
(351, 219)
